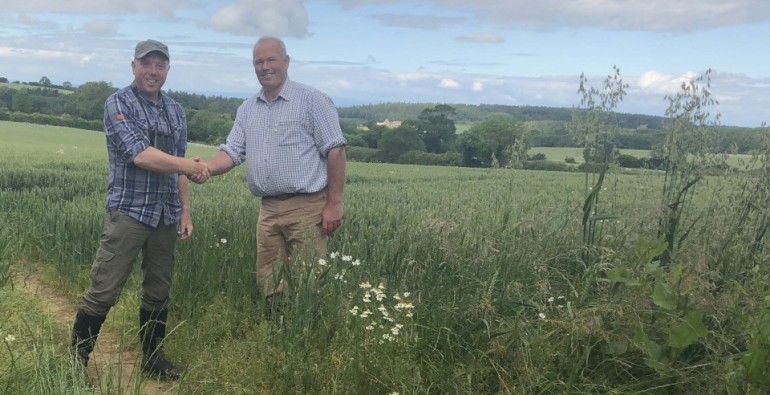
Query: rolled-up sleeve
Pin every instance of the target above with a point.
(326, 123)
(121, 125)
(235, 144)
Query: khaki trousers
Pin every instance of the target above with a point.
(122, 239)
(288, 230)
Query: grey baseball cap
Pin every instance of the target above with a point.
(145, 47)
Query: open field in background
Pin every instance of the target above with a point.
(19, 86)
(558, 154)
(462, 127)
(481, 272)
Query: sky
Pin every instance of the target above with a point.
(511, 52)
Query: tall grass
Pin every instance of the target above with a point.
(491, 260)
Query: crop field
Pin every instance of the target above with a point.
(440, 281)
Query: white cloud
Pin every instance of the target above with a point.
(492, 38)
(286, 18)
(662, 83)
(477, 86)
(403, 77)
(101, 27)
(97, 7)
(449, 83)
(648, 15)
(29, 20)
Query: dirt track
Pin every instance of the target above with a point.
(112, 366)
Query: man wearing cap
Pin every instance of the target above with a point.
(147, 207)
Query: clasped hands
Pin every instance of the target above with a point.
(198, 170)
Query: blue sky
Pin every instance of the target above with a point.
(514, 52)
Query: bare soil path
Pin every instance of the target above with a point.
(114, 367)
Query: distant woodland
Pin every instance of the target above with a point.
(485, 135)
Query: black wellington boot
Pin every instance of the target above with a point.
(152, 331)
(85, 330)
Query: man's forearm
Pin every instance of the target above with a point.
(153, 159)
(220, 163)
(335, 167)
(184, 196)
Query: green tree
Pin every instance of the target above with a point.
(22, 102)
(397, 141)
(208, 126)
(437, 128)
(373, 134)
(492, 136)
(45, 81)
(87, 101)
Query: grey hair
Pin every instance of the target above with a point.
(275, 39)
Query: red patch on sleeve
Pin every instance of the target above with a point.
(120, 117)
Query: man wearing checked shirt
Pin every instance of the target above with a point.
(289, 136)
(147, 207)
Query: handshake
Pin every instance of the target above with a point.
(196, 170)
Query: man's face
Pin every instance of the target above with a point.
(271, 65)
(150, 72)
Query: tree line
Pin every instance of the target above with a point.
(492, 135)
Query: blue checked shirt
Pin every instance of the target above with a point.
(131, 124)
(284, 143)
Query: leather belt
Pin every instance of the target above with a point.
(286, 196)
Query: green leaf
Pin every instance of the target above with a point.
(676, 272)
(647, 249)
(688, 331)
(663, 296)
(616, 347)
(756, 361)
(622, 275)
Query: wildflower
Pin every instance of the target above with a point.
(383, 310)
(381, 286)
(334, 255)
(223, 240)
(403, 305)
(10, 338)
(370, 327)
(551, 299)
(356, 262)
(347, 258)
(366, 313)
(406, 294)
(541, 315)
(365, 285)
(354, 310)
(322, 262)
(397, 296)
